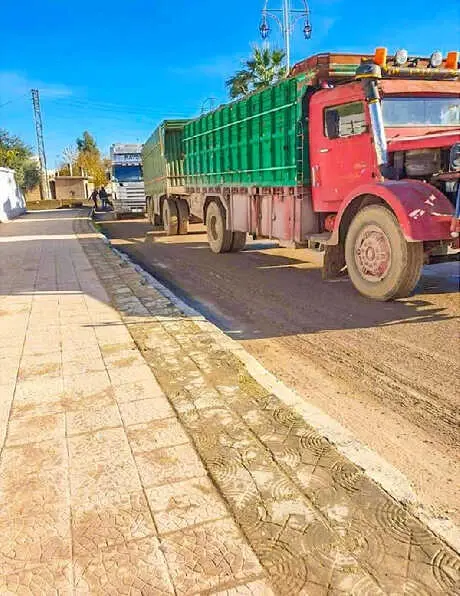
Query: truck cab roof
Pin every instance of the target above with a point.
(342, 67)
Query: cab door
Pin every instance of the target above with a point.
(342, 154)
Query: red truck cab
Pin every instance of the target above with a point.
(385, 170)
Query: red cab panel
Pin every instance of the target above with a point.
(342, 154)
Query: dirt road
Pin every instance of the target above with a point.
(387, 371)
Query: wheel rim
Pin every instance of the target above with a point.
(372, 253)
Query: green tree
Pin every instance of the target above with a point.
(15, 154)
(89, 159)
(264, 68)
(87, 143)
(30, 177)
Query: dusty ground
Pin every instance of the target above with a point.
(388, 372)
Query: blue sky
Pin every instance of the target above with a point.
(117, 68)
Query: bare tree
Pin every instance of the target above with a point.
(70, 154)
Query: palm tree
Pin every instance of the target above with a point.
(264, 68)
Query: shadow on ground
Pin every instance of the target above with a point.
(267, 282)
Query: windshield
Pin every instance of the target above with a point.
(421, 111)
(127, 173)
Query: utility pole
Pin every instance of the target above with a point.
(40, 144)
(286, 18)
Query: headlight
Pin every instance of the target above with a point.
(401, 57)
(436, 59)
(454, 161)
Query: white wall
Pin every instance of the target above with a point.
(12, 202)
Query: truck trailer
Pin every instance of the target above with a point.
(128, 195)
(358, 155)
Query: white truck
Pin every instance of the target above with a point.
(128, 194)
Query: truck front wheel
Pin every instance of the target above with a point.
(170, 217)
(238, 241)
(380, 263)
(219, 238)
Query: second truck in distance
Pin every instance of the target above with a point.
(358, 154)
(128, 195)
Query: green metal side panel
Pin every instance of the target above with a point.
(154, 166)
(174, 154)
(257, 141)
(163, 158)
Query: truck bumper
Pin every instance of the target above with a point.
(128, 210)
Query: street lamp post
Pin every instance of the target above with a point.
(286, 18)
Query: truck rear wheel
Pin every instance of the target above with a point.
(238, 241)
(148, 208)
(154, 219)
(219, 238)
(380, 263)
(183, 214)
(170, 217)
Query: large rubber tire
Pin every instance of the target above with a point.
(238, 241)
(402, 265)
(154, 218)
(183, 214)
(149, 212)
(219, 238)
(170, 217)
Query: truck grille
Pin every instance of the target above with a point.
(129, 199)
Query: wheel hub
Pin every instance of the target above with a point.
(372, 253)
(213, 227)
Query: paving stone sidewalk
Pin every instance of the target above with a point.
(139, 456)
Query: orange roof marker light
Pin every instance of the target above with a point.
(403, 65)
(452, 60)
(380, 56)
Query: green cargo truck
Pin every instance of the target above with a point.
(164, 169)
(249, 144)
(357, 154)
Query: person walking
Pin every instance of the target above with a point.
(93, 197)
(103, 196)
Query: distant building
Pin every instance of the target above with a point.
(70, 190)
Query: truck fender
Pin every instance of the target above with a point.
(423, 212)
(218, 198)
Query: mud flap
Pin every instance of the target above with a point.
(334, 261)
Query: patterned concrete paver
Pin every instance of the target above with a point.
(185, 503)
(87, 436)
(316, 523)
(195, 480)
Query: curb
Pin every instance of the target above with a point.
(389, 478)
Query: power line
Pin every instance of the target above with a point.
(15, 99)
(112, 109)
(108, 104)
